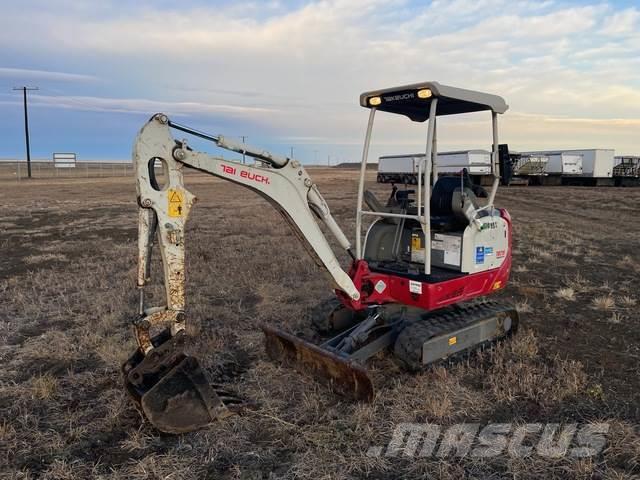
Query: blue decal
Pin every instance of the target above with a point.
(479, 254)
(488, 251)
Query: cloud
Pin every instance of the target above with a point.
(29, 74)
(622, 23)
(300, 68)
(140, 105)
(537, 132)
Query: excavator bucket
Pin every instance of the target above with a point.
(172, 391)
(344, 376)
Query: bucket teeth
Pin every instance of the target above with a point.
(172, 391)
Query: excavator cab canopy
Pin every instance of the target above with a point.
(414, 100)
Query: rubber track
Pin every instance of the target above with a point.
(408, 345)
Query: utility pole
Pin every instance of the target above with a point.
(243, 137)
(26, 125)
(329, 160)
(315, 157)
(291, 157)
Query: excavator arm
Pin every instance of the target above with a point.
(169, 386)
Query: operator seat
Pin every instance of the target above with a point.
(447, 213)
(447, 202)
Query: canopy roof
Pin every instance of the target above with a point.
(405, 100)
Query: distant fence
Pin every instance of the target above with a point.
(17, 171)
(39, 169)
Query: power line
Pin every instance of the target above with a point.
(26, 124)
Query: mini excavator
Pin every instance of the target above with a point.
(416, 286)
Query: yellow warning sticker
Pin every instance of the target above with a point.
(416, 242)
(176, 203)
(453, 341)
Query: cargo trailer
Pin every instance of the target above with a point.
(597, 166)
(564, 163)
(399, 168)
(477, 162)
(404, 168)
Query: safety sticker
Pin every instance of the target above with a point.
(453, 341)
(380, 286)
(452, 250)
(415, 287)
(488, 251)
(176, 203)
(416, 242)
(437, 244)
(479, 254)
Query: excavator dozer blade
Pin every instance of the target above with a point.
(344, 376)
(172, 391)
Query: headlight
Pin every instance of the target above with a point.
(375, 101)
(424, 93)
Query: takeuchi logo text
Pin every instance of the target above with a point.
(247, 174)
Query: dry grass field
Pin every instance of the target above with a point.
(67, 263)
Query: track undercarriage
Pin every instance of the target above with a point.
(418, 339)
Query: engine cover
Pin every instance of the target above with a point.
(468, 249)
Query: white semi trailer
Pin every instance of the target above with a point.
(564, 163)
(404, 168)
(399, 168)
(597, 165)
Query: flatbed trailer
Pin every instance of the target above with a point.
(626, 172)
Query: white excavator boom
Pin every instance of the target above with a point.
(163, 212)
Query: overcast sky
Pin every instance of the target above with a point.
(288, 74)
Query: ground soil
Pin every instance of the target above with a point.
(67, 269)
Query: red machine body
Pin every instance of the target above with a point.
(403, 290)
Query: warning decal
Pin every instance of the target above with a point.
(415, 287)
(380, 286)
(176, 203)
(416, 242)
